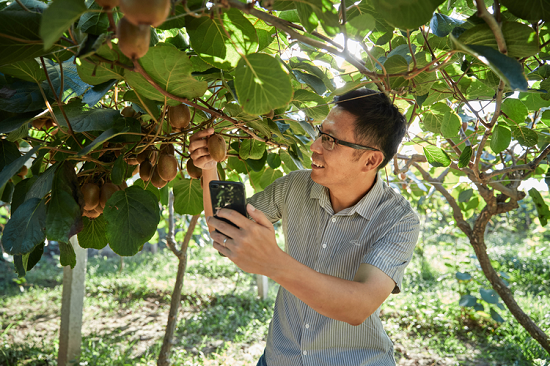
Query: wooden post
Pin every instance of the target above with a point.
(70, 333)
(262, 283)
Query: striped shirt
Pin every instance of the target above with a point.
(381, 230)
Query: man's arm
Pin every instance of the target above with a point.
(254, 249)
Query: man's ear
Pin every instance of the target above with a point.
(373, 160)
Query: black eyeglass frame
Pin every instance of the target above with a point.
(343, 143)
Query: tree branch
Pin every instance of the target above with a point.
(170, 236)
(492, 23)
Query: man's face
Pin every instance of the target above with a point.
(338, 168)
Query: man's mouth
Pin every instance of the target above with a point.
(317, 165)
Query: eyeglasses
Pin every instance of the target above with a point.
(329, 142)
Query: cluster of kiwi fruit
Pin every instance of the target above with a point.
(157, 171)
(95, 197)
(134, 29)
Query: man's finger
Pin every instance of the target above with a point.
(202, 134)
(258, 216)
(220, 248)
(223, 227)
(234, 217)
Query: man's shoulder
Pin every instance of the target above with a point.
(392, 200)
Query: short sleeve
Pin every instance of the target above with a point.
(271, 201)
(393, 252)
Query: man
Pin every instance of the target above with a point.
(348, 238)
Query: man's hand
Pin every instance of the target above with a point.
(252, 246)
(198, 150)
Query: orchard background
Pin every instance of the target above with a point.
(81, 102)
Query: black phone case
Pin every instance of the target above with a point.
(227, 194)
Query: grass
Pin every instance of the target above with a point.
(222, 321)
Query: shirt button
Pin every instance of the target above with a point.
(307, 326)
(305, 353)
(334, 219)
(324, 245)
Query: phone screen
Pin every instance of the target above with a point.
(228, 194)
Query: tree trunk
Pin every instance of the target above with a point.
(477, 240)
(164, 356)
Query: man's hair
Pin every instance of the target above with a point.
(378, 122)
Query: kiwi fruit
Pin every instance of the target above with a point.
(107, 191)
(192, 170)
(39, 123)
(136, 170)
(167, 167)
(179, 116)
(148, 12)
(128, 112)
(144, 155)
(23, 171)
(167, 149)
(145, 170)
(132, 160)
(107, 4)
(133, 40)
(156, 179)
(91, 193)
(217, 147)
(92, 214)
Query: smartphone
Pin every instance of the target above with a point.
(227, 194)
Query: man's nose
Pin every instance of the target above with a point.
(316, 147)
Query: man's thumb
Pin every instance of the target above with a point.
(257, 215)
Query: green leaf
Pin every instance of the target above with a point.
(269, 176)
(533, 101)
(436, 156)
(450, 125)
(442, 24)
(496, 316)
(20, 192)
(93, 234)
(84, 120)
(236, 164)
(67, 255)
(507, 68)
(14, 123)
(24, 26)
(171, 69)
(466, 195)
(58, 17)
(515, 110)
(209, 38)
(463, 276)
(8, 154)
(35, 256)
(28, 70)
(313, 105)
(262, 84)
(542, 208)
(64, 216)
(26, 228)
(406, 14)
(255, 177)
(22, 96)
(467, 301)
(147, 105)
(188, 197)
(95, 72)
(132, 217)
(120, 167)
(19, 264)
(358, 26)
(251, 149)
(525, 136)
(43, 184)
(465, 157)
(521, 39)
(432, 122)
(121, 126)
(489, 295)
(501, 138)
(151, 188)
(12, 169)
(529, 10)
(314, 11)
(95, 22)
(274, 160)
(307, 16)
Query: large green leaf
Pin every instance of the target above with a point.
(28, 70)
(436, 156)
(515, 110)
(83, 119)
(171, 69)
(442, 24)
(121, 126)
(507, 68)
(252, 149)
(188, 197)
(8, 154)
(10, 170)
(64, 216)
(406, 14)
(209, 38)
(43, 184)
(541, 206)
(450, 125)
(529, 10)
(26, 228)
(314, 11)
(146, 104)
(67, 256)
(525, 136)
(23, 96)
(94, 22)
(262, 84)
(533, 101)
(132, 217)
(13, 123)
(269, 176)
(313, 105)
(521, 39)
(94, 72)
(93, 235)
(58, 17)
(501, 138)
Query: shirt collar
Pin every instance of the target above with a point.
(365, 207)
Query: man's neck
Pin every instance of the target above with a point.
(344, 197)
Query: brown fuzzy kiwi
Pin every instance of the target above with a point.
(179, 116)
(217, 147)
(132, 160)
(156, 180)
(133, 40)
(107, 191)
(136, 170)
(167, 167)
(91, 193)
(123, 185)
(23, 171)
(144, 155)
(145, 170)
(39, 123)
(108, 4)
(192, 170)
(92, 214)
(128, 112)
(99, 209)
(149, 12)
(167, 149)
